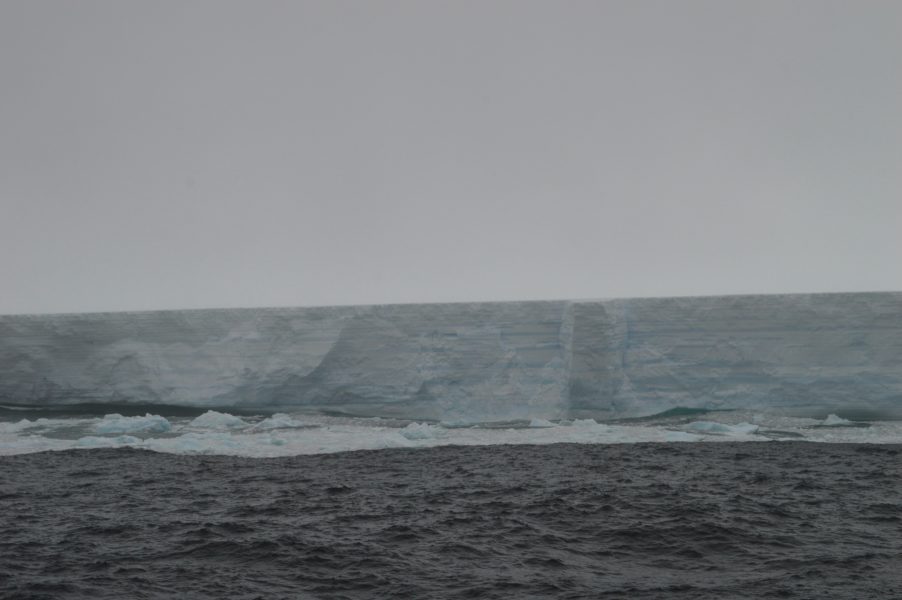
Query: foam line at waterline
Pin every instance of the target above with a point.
(282, 434)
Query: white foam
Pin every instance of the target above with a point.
(587, 424)
(681, 436)
(321, 434)
(16, 427)
(419, 431)
(92, 441)
(217, 420)
(835, 421)
(10, 445)
(116, 423)
(279, 421)
(213, 442)
(722, 428)
(538, 423)
(23, 425)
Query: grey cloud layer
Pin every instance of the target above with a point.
(209, 153)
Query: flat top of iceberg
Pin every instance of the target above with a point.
(349, 307)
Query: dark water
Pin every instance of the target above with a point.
(725, 520)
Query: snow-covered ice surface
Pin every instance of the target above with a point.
(285, 434)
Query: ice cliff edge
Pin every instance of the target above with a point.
(803, 354)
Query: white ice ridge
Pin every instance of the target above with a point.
(805, 355)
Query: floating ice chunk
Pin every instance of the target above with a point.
(714, 427)
(279, 421)
(835, 420)
(93, 441)
(116, 423)
(541, 423)
(217, 420)
(419, 431)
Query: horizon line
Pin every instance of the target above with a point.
(447, 303)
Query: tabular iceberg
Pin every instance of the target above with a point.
(801, 354)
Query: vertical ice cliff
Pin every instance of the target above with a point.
(805, 354)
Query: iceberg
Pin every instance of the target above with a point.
(802, 355)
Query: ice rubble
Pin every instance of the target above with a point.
(116, 423)
(285, 435)
(216, 420)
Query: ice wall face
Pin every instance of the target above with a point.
(443, 361)
(805, 354)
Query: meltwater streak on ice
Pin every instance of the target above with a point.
(801, 355)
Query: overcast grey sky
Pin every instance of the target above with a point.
(181, 154)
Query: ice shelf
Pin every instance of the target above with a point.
(801, 354)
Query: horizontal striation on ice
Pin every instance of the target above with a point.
(801, 354)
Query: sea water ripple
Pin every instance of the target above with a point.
(730, 520)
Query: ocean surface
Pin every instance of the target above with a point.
(777, 519)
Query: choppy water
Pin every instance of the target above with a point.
(729, 520)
